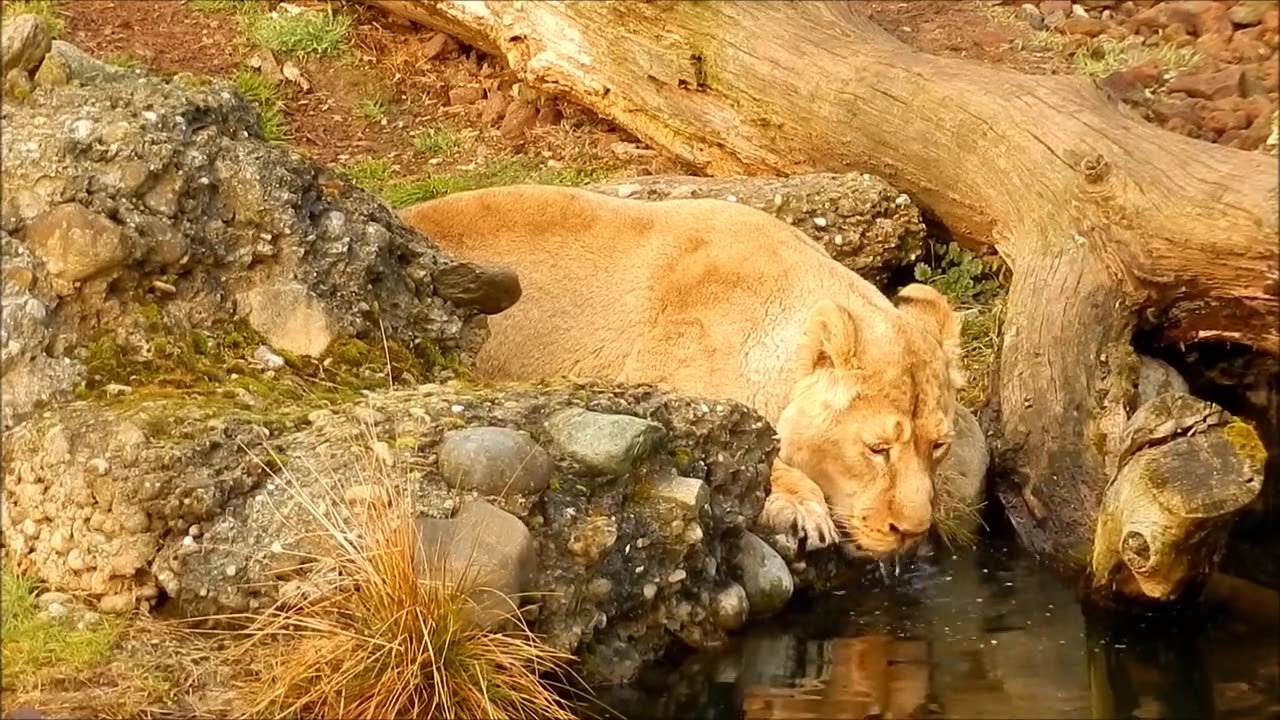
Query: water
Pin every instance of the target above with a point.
(983, 634)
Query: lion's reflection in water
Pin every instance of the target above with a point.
(873, 675)
(982, 635)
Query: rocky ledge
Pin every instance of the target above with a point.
(626, 509)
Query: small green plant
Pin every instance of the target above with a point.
(372, 109)
(216, 6)
(1101, 57)
(268, 97)
(39, 649)
(46, 9)
(961, 276)
(306, 34)
(370, 175)
(438, 140)
(973, 286)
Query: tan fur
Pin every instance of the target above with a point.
(713, 299)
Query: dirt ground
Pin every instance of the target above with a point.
(404, 104)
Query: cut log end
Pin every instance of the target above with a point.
(1164, 520)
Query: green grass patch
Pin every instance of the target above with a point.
(47, 9)
(372, 175)
(439, 140)
(303, 35)
(38, 649)
(268, 97)
(218, 6)
(506, 171)
(372, 110)
(1101, 57)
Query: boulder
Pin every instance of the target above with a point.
(145, 208)
(859, 220)
(193, 498)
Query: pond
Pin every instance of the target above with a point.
(986, 633)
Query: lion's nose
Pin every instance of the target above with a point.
(909, 527)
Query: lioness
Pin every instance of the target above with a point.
(714, 299)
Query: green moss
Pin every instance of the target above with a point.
(683, 458)
(46, 9)
(1246, 441)
(39, 649)
(554, 482)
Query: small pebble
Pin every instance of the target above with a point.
(820, 221)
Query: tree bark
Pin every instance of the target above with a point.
(1107, 222)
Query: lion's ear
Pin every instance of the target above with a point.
(830, 339)
(931, 309)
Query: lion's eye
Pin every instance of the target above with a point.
(879, 449)
(940, 447)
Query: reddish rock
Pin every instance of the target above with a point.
(1250, 12)
(1251, 138)
(1174, 31)
(1147, 74)
(439, 45)
(1116, 32)
(1182, 127)
(1182, 111)
(1249, 45)
(466, 95)
(1221, 121)
(495, 107)
(1210, 86)
(1051, 6)
(1214, 46)
(1271, 21)
(1125, 87)
(520, 117)
(1126, 9)
(549, 115)
(1086, 26)
(990, 38)
(1255, 107)
(1211, 18)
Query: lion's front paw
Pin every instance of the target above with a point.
(808, 521)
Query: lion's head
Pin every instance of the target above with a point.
(871, 414)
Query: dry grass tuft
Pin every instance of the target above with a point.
(380, 642)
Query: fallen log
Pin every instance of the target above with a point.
(1108, 224)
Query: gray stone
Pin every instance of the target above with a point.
(494, 461)
(602, 443)
(484, 549)
(48, 598)
(764, 576)
(730, 607)
(76, 243)
(66, 63)
(489, 290)
(25, 41)
(1156, 377)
